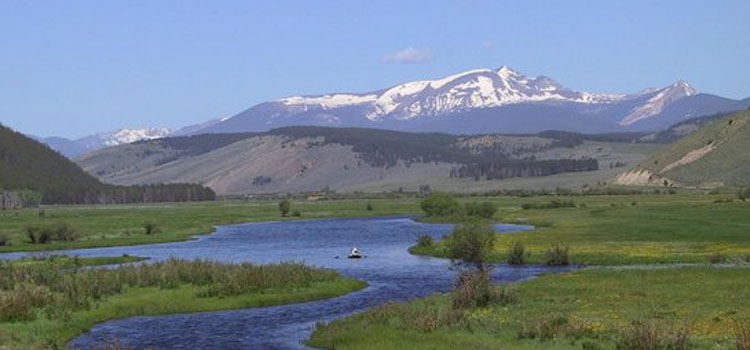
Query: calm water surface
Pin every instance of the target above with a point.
(391, 272)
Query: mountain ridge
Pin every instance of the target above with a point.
(468, 97)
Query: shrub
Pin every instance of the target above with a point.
(504, 296)
(473, 289)
(742, 335)
(652, 334)
(555, 204)
(717, 258)
(439, 204)
(284, 207)
(516, 254)
(38, 234)
(63, 232)
(485, 210)
(4, 239)
(424, 241)
(470, 243)
(557, 255)
(369, 207)
(542, 328)
(150, 228)
(296, 213)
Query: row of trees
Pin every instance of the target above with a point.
(508, 168)
(19, 199)
(109, 194)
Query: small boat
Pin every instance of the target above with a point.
(355, 254)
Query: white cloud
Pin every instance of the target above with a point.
(409, 55)
(489, 44)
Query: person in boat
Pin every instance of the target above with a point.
(355, 254)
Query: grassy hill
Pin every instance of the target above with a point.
(26, 164)
(714, 155)
(301, 159)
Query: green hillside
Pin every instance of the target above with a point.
(716, 154)
(26, 164)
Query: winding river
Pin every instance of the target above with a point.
(391, 272)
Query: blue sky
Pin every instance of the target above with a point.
(71, 68)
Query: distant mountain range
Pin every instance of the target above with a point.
(483, 101)
(476, 101)
(72, 148)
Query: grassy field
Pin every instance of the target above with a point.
(593, 308)
(42, 308)
(111, 225)
(617, 230)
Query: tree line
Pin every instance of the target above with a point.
(507, 168)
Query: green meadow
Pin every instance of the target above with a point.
(591, 308)
(670, 267)
(624, 230)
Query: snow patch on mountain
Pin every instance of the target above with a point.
(479, 88)
(122, 136)
(659, 101)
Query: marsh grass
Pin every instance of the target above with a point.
(25, 289)
(424, 241)
(654, 334)
(742, 334)
(516, 254)
(557, 255)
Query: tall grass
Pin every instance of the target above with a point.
(26, 289)
(516, 254)
(654, 334)
(742, 335)
(557, 255)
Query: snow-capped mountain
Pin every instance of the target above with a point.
(483, 100)
(72, 148)
(482, 88)
(123, 136)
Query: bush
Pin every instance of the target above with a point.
(38, 234)
(717, 258)
(63, 232)
(470, 243)
(424, 241)
(150, 228)
(542, 328)
(439, 204)
(284, 207)
(369, 207)
(653, 334)
(516, 254)
(473, 289)
(296, 213)
(557, 255)
(4, 239)
(742, 335)
(485, 210)
(555, 204)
